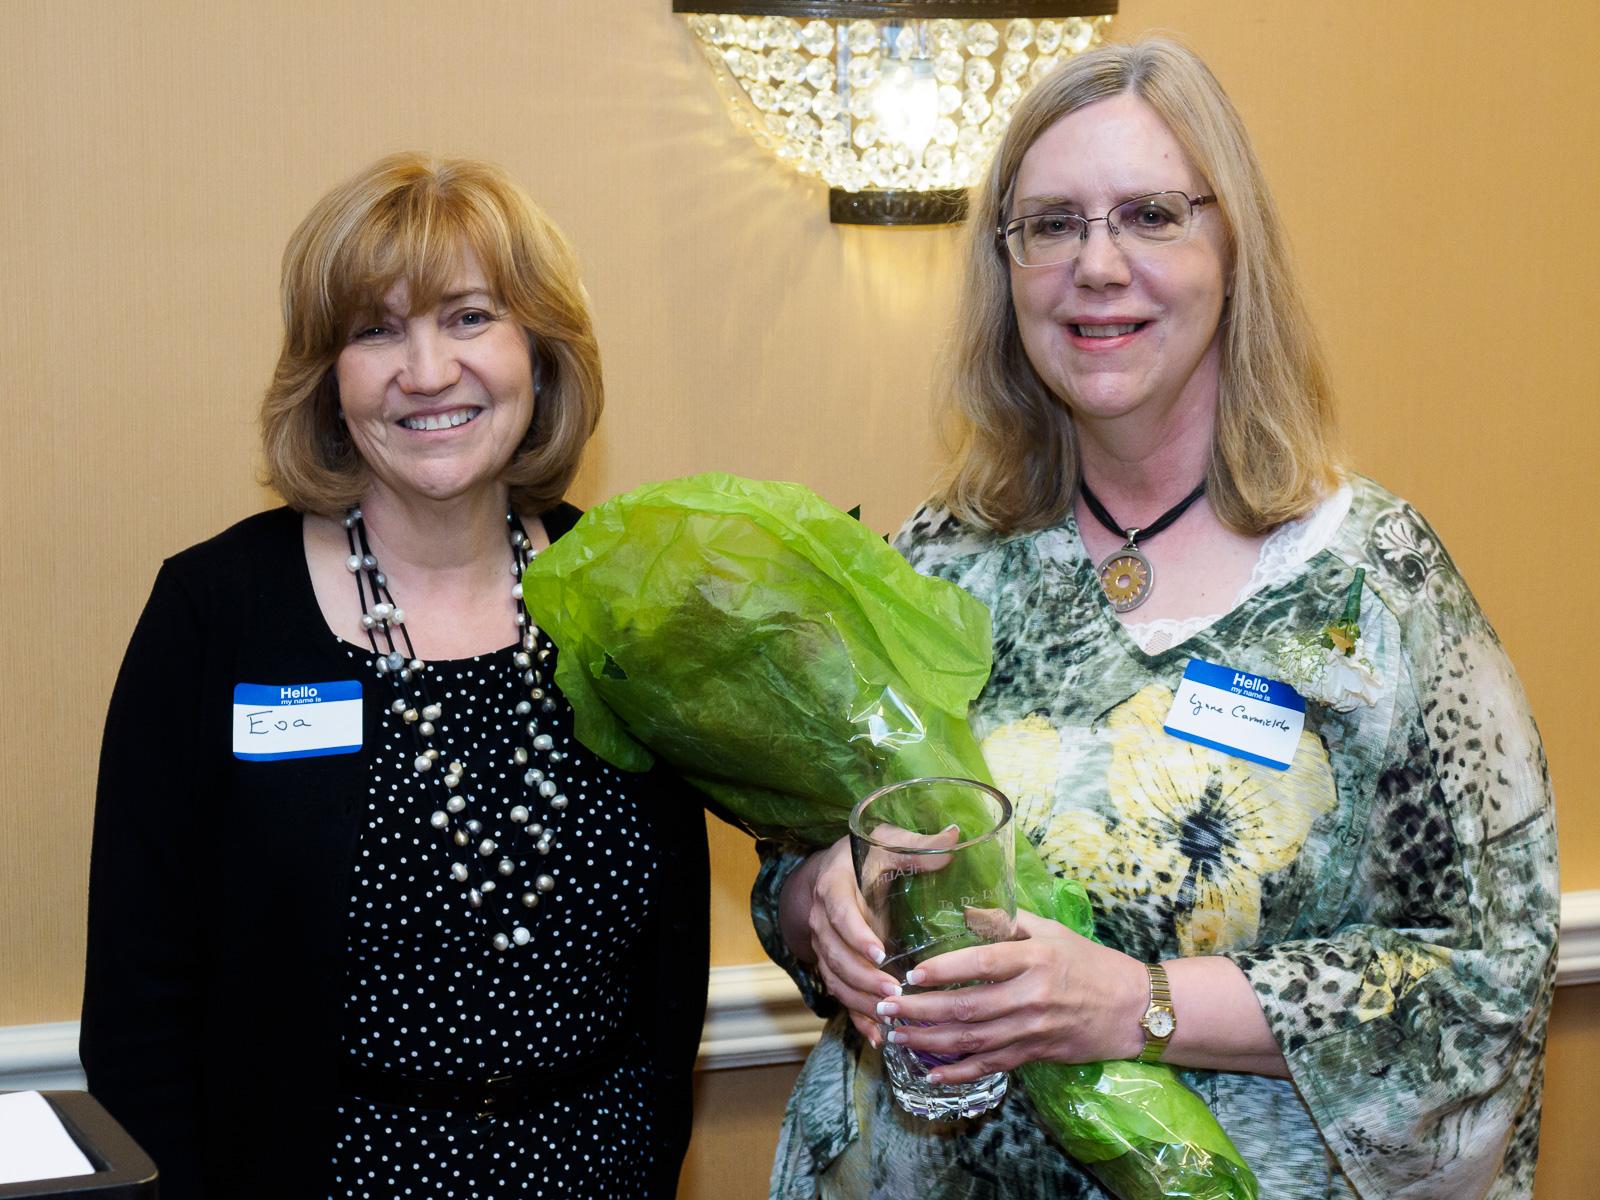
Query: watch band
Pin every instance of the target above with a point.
(1159, 1021)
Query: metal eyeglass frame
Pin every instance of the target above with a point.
(1003, 232)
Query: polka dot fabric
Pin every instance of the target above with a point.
(428, 995)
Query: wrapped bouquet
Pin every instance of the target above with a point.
(787, 661)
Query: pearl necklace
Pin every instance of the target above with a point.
(421, 714)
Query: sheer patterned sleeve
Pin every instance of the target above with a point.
(1415, 1030)
(779, 860)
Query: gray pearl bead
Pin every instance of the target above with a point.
(543, 742)
(422, 763)
(521, 756)
(456, 803)
(488, 886)
(475, 898)
(521, 936)
(502, 942)
(548, 788)
(558, 802)
(487, 847)
(425, 728)
(523, 708)
(458, 872)
(507, 867)
(529, 899)
(545, 883)
(432, 712)
(440, 819)
(547, 705)
(461, 837)
(474, 827)
(519, 814)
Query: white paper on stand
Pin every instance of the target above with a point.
(33, 1142)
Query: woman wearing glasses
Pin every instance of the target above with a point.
(1333, 906)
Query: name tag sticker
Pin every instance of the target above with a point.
(1248, 716)
(296, 720)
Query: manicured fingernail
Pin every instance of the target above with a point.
(895, 1036)
(935, 1077)
(914, 977)
(878, 955)
(890, 988)
(887, 1008)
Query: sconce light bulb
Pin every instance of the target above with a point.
(905, 104)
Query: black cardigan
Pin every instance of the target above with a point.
(219, 890)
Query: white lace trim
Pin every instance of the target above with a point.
(1285, 550)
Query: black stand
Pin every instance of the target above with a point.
(122, 1171)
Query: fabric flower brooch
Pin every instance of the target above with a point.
(1327, 665)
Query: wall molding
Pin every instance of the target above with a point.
(754, 1016)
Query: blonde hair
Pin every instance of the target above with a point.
(409, 218)
(1274, 450)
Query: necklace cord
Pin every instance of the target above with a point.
(1131, 533)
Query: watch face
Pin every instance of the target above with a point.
(1159, 1022)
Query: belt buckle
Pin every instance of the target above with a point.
(495, 1089)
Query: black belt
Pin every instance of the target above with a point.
(510, 1093)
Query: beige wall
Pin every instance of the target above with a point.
(1434, 162)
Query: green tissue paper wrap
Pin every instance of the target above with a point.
(787, 661)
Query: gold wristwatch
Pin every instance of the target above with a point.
(1158, 1021)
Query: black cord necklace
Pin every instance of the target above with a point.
(1126, 574)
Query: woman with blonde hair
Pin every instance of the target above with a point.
(383, 927)
(1240, 692)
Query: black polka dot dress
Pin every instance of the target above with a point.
(428, 995)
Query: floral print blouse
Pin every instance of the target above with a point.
(1392, 895)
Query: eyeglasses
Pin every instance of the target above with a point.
(1048, 239)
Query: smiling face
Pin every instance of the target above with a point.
(437, 402)
(1123, 330)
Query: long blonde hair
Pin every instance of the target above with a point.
(408, 218)
(1015, 453)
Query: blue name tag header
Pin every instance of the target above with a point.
(280, 696)
(1242, 683)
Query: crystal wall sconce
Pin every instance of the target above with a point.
(896, 104)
